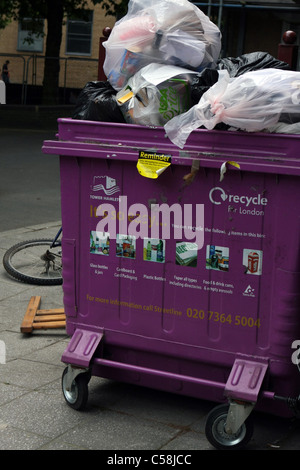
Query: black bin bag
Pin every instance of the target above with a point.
(96, 102)
(235, 66)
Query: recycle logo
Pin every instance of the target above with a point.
(215, 198)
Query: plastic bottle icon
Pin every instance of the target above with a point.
(92, 243)
(160, 254)
(149, 250)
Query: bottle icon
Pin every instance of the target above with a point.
(160, 253)
(92, 244)
(149, 250)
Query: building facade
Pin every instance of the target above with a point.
(253, 25)
(79, 51)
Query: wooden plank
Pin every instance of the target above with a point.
(48, 318)
(53, 311)
(36, 318)
(47, 325)
(27, 324)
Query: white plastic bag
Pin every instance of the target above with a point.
(155, 94)
(251, 102)
(172, 32)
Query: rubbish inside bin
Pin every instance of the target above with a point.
(96, 102)
(155, 94)
(252, 102)
(250, 62)
(173, 32)
(155, 35)
(284, 128)
(202, 82)
(235, 66)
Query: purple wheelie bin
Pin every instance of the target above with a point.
(210, 309)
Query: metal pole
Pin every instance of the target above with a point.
(209, 8)
(220, 14)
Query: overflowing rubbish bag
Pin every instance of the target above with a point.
(163, 69)
(252, 102)
(250, 62)
(96, 102)
(172, 32)
(156, 94)
(235, 66)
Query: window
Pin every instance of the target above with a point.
(27, 40)
(79, 35)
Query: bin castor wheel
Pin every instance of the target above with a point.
(77, 395)
(217, 435)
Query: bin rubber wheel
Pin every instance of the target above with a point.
(78, 395)
(219, 438)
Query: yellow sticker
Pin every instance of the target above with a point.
(152, 164)
(125, 97)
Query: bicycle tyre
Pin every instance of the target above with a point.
(28, 271)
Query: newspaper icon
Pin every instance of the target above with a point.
(186, 253)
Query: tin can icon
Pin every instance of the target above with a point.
(253, 260)
(223, 265)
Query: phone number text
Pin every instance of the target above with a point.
(211, 315)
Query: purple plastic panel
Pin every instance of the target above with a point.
(245, 380)
(258, 152)
(190, 315)
(81, 348)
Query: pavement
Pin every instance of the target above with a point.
(118, 417)
(29, 179)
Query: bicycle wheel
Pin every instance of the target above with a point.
(34, 262)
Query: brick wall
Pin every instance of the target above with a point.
(76, 70)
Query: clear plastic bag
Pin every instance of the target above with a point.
(156, 94)
(172, 32)
(252, 102)
(235, 66)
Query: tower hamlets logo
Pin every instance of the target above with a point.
(106, 184)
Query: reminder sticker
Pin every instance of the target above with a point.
(152, 164)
